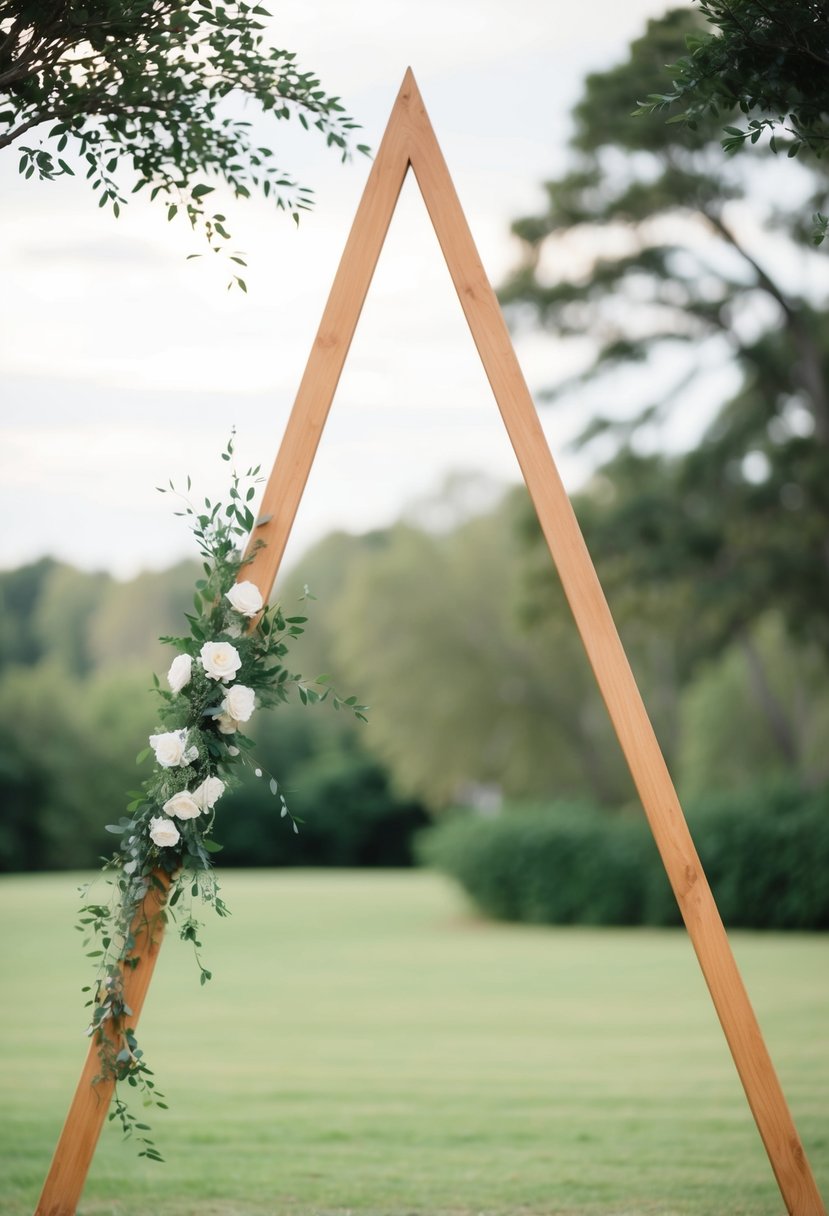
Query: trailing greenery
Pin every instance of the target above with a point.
(231, 660)
(765, 853)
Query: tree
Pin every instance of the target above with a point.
(767, 58)
(465, 703)
(730, 739)
(691, 566)
(770, 60)
(155, 85)
(673, 274)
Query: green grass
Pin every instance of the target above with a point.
(368, 1047)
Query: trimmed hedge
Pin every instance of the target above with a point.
(765, 852)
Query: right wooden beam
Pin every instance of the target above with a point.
(612, 672)
(410, 140)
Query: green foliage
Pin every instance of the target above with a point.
(701, 548)
(764, 851)
(767, 58)
(465, 697)
(341, 798)
(478, 695)
(155, 85)
(759, 713)
(566, 864)
(68, 755)
(74, 703)
(127, 620)
(20, 592)
(231, 658)
(83, 623)
(338, 793)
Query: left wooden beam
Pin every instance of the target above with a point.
(81, 1131)
(82, 1128)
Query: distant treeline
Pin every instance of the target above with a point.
(461, 642)
(77, 652)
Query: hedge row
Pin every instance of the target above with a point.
(765, 852)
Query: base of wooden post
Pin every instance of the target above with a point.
(90, 1105)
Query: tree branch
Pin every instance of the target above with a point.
(809, 368)
(10, 136)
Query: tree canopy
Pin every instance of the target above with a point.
(658, 251)
(767, 59)
(156, 86)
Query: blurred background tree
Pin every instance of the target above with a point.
(656, 251)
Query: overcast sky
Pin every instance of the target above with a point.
(123, 365)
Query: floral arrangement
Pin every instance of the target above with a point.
(230, 664)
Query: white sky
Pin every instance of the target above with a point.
(122, 364)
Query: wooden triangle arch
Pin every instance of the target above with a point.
(410, 141)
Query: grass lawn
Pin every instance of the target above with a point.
(367, 1046)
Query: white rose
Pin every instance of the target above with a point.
(179, 673)
(164, 832)
(170, 748)
(183, 805)
(209, 792)
(220, 660)
(226, 724)
(239, 702)
(246, 598)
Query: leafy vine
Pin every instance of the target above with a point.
(229, 664)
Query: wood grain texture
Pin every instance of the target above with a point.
(90, 1105)
(328, 353)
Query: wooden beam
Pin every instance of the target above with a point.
(82, 1128)
(611, 669)
(328, 353)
